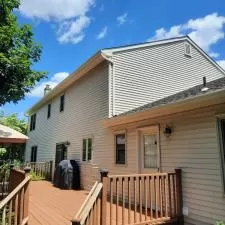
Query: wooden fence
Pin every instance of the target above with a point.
(134, 199)
(14, 208)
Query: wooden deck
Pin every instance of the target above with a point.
(52, 206)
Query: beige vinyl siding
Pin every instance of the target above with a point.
(147, 74)
(193, 147)
(86, 102)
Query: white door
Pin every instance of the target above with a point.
(149, 163)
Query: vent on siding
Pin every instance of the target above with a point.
(187, 49)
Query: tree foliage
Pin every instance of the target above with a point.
(18, 53)
(14, 122)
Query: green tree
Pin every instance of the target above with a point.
(14, 122)
(18, 53)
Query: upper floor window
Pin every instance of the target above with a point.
(120, 141)
(221, 125)
(62, 102)
(33, 156)
(32, 122)
(49, 111)
(87, 149)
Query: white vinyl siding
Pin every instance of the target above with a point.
(86, 103)
(147, 74)
(193, 146)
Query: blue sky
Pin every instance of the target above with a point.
(70, 31)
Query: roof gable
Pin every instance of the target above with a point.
(108, 52)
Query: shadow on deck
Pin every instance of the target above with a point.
(49, 205)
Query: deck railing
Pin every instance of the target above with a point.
(144, 198)
(14, 208)
(89, 213)
(42, 169)
(134, 199)
(4, 182)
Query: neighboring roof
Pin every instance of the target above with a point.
(105, 54)
(191, 98)
(9, 135)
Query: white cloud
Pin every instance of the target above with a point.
(122, 19)
(55, 9)
(221, 63)
(205, 31)
(70, 16)
(72, 31)
(38, 91)
(102, 33)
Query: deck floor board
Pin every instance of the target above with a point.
(52, 206)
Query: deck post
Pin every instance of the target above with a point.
(104, 179)
(26, 194)
(179, 204)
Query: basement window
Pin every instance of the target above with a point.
(221, 126)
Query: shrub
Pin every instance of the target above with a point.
(220, 223)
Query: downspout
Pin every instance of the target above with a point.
(111, 84)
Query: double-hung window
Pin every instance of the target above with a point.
(87, 149)
(120, 145)
(49, 111)
(32, 122)
(33, 156)
(221, 126)
(62, 103)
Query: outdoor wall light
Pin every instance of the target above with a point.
(167, 131)
(67, 143)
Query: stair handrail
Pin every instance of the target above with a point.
(86, 208)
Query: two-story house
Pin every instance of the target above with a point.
(70, 121)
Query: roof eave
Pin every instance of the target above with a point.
(91, 63)
(214, 98)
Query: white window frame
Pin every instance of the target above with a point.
(114, 136)
(86, 150)
(221, 149)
